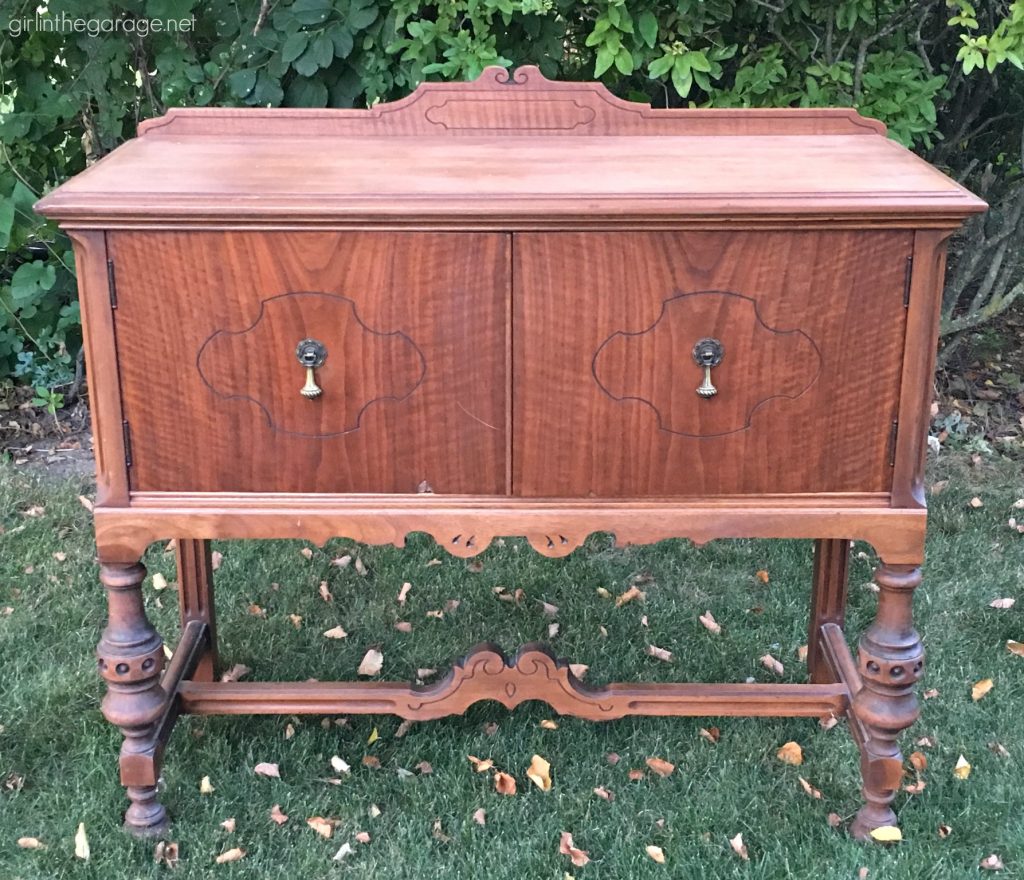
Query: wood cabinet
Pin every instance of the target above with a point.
(512, 307)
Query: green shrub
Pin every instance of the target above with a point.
(944, 77)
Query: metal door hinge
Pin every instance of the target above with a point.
(892, 443)
(906, 281)
(126, 430)
(111, 284)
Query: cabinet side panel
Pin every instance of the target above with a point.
(919, 365)
(101, 366)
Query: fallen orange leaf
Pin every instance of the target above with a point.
(1015, 647)
(762, 576)
(656, 853)
(276, 816)
(772, 665)
(335, 632)
(810, 790)
(791, 753)
(372, 662)
(232, 855)
(962, 769)
(710, 624)
(480, 816)
(660, 766)
(265, 769)
(981, 688)
(504, 783)
(632, 593)
(739, 847)
(539, 773)
(603, 792)
(659, 653)
(481, 766)
(566, 847)
(323, 827)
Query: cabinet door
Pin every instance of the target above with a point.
(608, 397)
(412, 329)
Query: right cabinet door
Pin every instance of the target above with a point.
(654, 364)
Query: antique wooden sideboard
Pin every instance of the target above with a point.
(511, 307)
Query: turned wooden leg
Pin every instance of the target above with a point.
(195, 576)
(890, 659)
(828, 601)
(131, 657)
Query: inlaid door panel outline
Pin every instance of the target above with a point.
(760, 364)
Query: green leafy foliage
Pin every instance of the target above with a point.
(929, 70)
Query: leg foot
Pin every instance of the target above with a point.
(146, 817)
(891, 660)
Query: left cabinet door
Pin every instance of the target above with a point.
(402, 382)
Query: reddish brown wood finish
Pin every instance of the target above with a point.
(818, 386)
(509, 277)
(413, 385)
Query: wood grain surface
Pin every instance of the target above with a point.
(426, 405)
(842, 290)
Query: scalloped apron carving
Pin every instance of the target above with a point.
(364, 367)
(761, 364)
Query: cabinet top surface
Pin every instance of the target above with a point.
(506, 147)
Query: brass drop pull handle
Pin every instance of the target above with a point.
(707, 353)
(311, 354)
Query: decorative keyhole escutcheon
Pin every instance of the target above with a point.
(707, 353)
(311, 354)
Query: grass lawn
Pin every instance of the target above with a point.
(53, 738)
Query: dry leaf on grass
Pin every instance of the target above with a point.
(166, 853)
(31, 843)
(998, 749)
(1001, 604)
(762, 576)
(711, 734)
(962, 769)
(86, 502)
(159, 581)
(504, 783)
(991, 863)
(81, 843)
(231, 855)
(834, 820)
(374, 811)
(372, 662)
(919, 761)
(323, 827)
(277, 816)
(549, 609)
(604, 794)
(801, 654)
(809, 789)
(887, 834)
(566, 847)
(403, 728)
(981, 688)
(944, 831)
(976, 502)
(635, 775)
(307, 553)
(656, 853)
(325, 592)
(205, 786)
(296, 620)
(480, 816)
(371, 761)
(438, 832)
(229, 825)
(827, 722)
(235, 673)
(216, 558)
(915, 787)
(362, 837)
(343, 852)
(660, 766)
(481, 766)
(361, 568)
(710, 624)
(404, 592)
(539, 773)
(266, 769)
(579, 670)
(659, 653)
(930, 694)
(425, 767)
(791, 753)
(403, 626)
(739, 847)
(772, 665)
(613, 758)
(632, 593)
(342, 561)
(1015, 647)
(339, 765)
(603, 593)
(552, 630)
